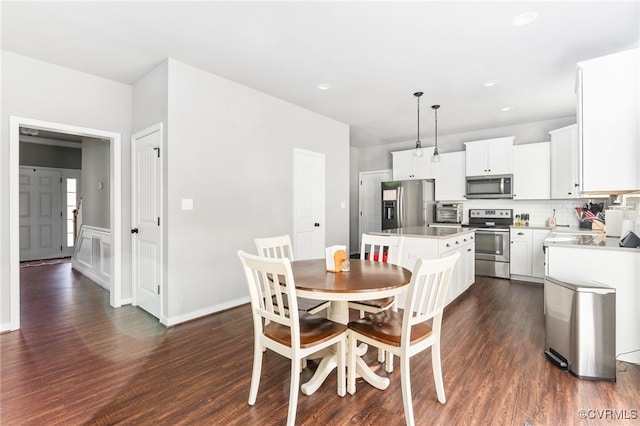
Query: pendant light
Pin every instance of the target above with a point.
(418, 152)
(436, 156)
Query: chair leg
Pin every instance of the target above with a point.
(405, 382)
(351, 366)
(437, 372)
(389, 364)
(341, 367)
(293, 391)
(257, 370)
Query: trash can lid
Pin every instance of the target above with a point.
(583, 286)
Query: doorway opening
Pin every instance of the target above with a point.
(115, 225)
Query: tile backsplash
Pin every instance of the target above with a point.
(539, 210)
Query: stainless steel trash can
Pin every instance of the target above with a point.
(580, 327)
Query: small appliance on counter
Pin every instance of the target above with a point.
(616, 217)
(630, 240)
(450, 213)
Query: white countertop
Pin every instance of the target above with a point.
(592, 240)
(425, 232)
(559, 229)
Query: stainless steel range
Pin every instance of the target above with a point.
(492, 240)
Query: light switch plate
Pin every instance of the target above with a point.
(187, 204)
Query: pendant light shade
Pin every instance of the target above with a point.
(436, 155)
(418, 152)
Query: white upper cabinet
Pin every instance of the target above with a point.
(489, 157)
(407, 166)
(450, 177)
(531, 171)
(565, 157)
(608, 115)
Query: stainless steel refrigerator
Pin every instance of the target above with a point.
(407, 203)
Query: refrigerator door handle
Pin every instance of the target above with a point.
(400, 216)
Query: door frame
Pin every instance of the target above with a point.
(115, 177)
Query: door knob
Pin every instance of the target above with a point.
(134, 231)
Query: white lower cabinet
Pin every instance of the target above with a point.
(527, 255)
(434, 248)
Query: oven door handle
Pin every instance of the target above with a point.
(491, 231)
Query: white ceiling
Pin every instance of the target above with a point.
(374, 55)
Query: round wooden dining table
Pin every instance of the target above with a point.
(366, 280)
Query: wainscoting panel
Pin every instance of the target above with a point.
(92, 255)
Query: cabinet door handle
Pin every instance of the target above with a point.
(448, 245)
(457, 242)
(520, 233)
(468, 249)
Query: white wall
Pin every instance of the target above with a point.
(95, 171)
(39, 90)
(230, 149)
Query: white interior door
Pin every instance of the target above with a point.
(40, 213)
(370, 202)
(308, 204)
(146, 220)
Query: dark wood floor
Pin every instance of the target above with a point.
(78, 361)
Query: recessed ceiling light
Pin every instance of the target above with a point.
(324, 86)
(490, 83)
(508, 108)
(524, 19)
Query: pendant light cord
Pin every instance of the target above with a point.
(418, 143)
(436, 154)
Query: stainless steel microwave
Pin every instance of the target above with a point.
(497, 186)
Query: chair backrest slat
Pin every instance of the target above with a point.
(275, 247)
(267, 277)
(382, 248)
(427, 291)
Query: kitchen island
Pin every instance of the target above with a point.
(433, 243)
(594, 257)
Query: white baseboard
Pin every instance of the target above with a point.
(203, 312)
(5, 327)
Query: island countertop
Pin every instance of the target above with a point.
(424, 232)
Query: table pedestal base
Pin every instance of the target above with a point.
(330, 361)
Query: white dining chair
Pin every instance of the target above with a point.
(288, 332)
(281, 247)
(407, 334)
(380, 249)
